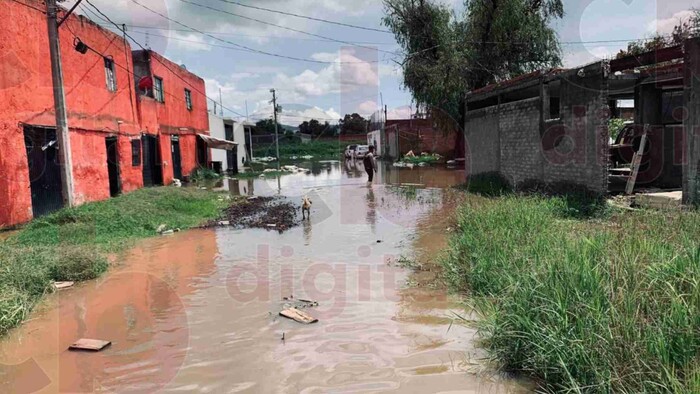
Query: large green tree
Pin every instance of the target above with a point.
(446, 54)
(353, 124)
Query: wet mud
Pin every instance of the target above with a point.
(271, 213)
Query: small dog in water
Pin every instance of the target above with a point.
(305, 207)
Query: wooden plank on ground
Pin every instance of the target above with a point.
(298, 316)
(89, 344)
(62, 285)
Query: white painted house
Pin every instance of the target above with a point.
(231, 130)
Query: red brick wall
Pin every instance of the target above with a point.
(420, 136)
(27, 97)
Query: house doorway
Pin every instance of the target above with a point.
(177, 158)
(115, 187)
(202, 153)
(44, 169)
(152, 174)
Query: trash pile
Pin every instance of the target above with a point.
(271, 213)
(410, 159)
(263, 159)
(305, 157)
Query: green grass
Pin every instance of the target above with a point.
(320, 149)
(609, 303)
(73, 244)
(256, 174)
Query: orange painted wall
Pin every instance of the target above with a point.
(27, 97)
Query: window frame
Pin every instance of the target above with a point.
(136, 152)
(188, 99)
(110, 74)
(158, 89)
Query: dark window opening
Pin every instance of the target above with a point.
(135, 153)
(110, 75)
(554, 108)
(158, 92)
(188, 100)
(672, 108)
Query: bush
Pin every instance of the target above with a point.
(202, 174)
(583, 305)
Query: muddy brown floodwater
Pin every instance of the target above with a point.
(197, 311)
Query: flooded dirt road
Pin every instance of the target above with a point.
(198, 311)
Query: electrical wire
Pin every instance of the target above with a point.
(256, 35)
(29, 6)
(194, 88)
(283, 27)
(235, 44)
(307, 17)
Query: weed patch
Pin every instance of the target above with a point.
(583, 303)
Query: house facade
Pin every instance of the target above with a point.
(121, 138)
(551, 128)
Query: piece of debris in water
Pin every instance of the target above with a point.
(63, 285)
(283, 336)
(94, 345)
(298, 316)
(167, 232)
(271, 225)
(224, 223)
(379, 241)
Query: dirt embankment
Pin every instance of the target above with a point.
(272, 213)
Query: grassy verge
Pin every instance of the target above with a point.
(609, 303)
(318, 149)
(73, 244)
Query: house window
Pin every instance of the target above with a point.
(188, 100)
(110, 75)
(554, 108)
(135, 153)
(158, 93)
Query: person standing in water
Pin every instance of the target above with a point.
(370, 164)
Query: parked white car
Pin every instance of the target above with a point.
(361, 151)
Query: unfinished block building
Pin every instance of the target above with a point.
(551, 127)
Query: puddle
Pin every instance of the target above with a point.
(197, 311)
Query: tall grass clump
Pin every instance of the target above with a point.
(581, 304)
(73, 244)
(319, 149)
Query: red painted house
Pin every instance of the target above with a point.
(109, 119)
(173, 110)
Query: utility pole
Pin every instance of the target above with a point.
(59, 97)
(277, 140)
(250, 131)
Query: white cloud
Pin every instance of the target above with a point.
(368, 107)
(403, 112)
(665, 26)
(189, 41)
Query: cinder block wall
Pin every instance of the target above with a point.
(579, 150)
(519, 129)
(516, 141)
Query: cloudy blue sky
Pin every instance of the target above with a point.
(334, 78)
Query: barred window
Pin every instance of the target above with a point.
(135, 153)
(110, 75)
(188, 100)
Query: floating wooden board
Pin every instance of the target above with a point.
(63, 285)
(94, 345)
(298, 316)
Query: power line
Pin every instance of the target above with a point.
(257, 35)
(30, 6)
(235, 44)
(283, 27)
(307, 17)
(195, 88)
